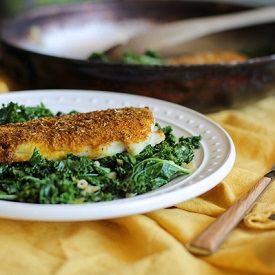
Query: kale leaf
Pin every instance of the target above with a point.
(99, 57)
(152, 173)
(179, 151)
(61, 181)
(149, 57)
(13, 112)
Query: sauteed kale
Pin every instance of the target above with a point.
(80, 179)
(12, 113)
(147, 58)
(151, 57)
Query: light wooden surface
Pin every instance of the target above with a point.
(167, 36)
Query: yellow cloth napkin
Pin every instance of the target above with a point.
(3, 86)
(154, 243)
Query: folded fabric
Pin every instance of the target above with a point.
(154, 243)
(3, 86)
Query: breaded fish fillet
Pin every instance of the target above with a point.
(94, 134)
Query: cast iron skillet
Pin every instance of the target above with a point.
(202, 87)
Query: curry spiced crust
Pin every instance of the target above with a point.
(55, 137)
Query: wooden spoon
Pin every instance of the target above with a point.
(209, 240)
(166, 36)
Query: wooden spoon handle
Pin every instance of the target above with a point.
(173, 34)
(214, 235)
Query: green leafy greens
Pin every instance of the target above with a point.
(149, 57)
(12, 113)
(80, 179)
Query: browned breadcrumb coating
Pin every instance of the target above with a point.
(56, 137)
(209, 58)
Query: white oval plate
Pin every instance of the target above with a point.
(213, 160)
